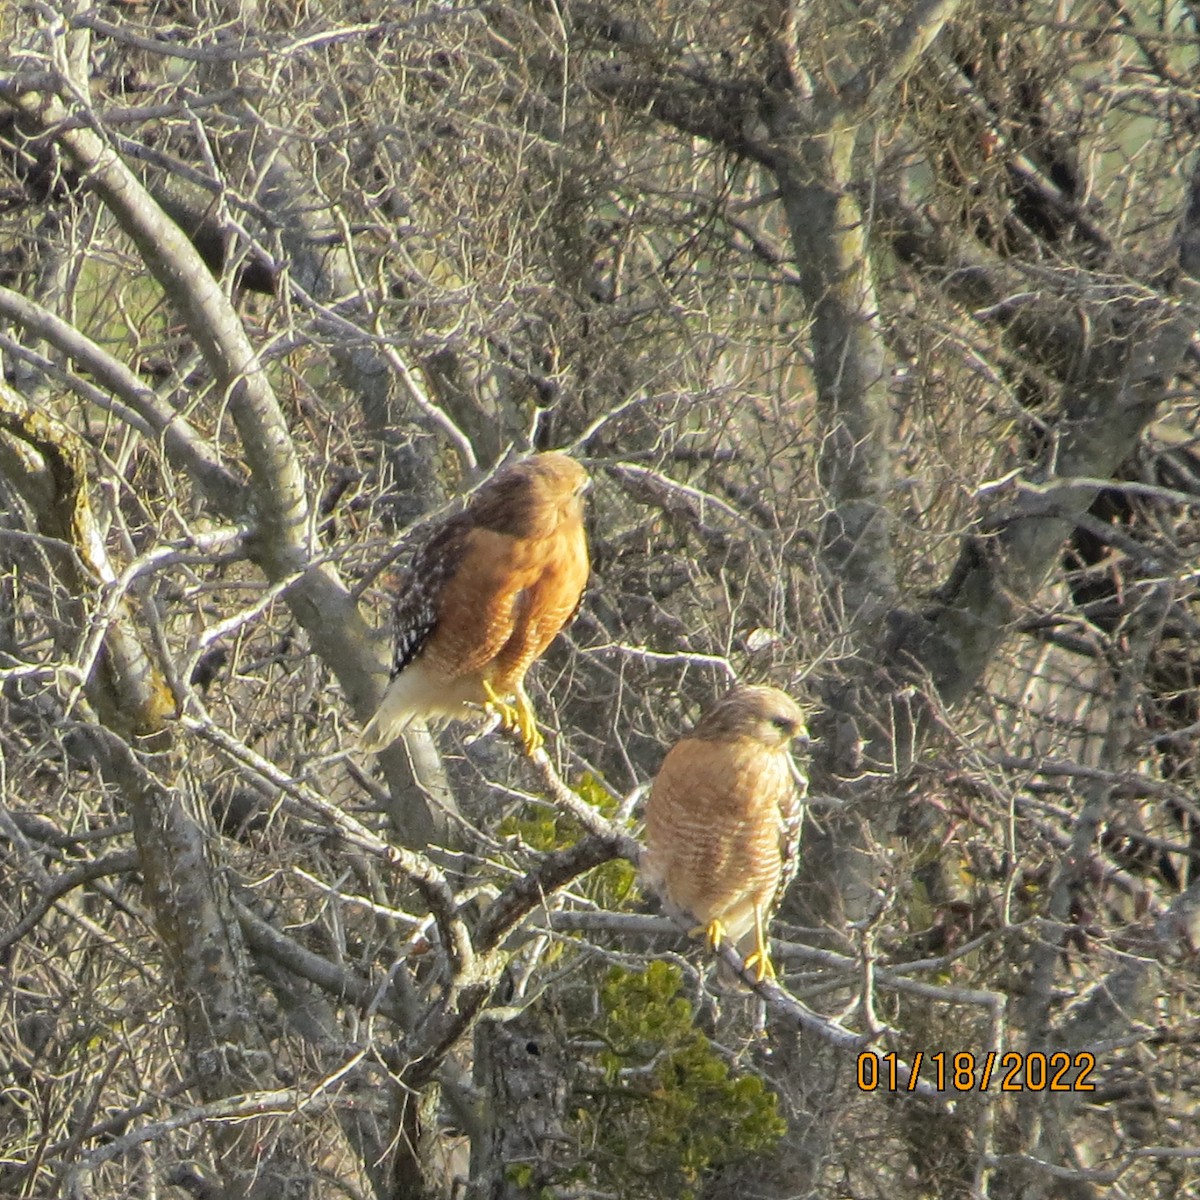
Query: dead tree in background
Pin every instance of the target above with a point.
(877, 328)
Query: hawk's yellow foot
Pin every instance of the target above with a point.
(759, 959)
(531, 735)
(519, 717)
(761, 965)
(714, 934)
(495, 707)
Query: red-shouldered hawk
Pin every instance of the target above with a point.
(723, 819)
(488, 591)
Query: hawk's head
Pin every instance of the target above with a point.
(763, 713)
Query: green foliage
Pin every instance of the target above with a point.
(519, 1175)
(670, 1108)
(597, 795)
(611, 883)
(542, 831)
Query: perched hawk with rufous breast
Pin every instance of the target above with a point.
(723, 819)
(488, 590)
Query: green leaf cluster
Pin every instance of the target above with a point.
(671, 1108)
(611, 883)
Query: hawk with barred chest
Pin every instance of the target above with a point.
(488, 591)
(723, 819)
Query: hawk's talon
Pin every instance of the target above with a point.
(531, 735)
(501, 709)
(760, 965)
(759, 959)
(515, 717)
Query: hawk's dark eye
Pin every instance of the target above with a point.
(785, 725)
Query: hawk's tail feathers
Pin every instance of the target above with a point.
(393, 716)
